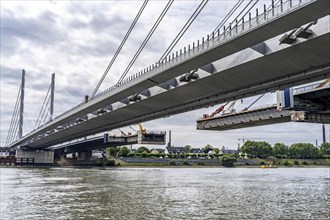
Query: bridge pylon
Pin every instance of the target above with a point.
(21, 109)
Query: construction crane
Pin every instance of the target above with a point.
(142, 130)
(247, 139)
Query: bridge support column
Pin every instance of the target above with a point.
(84, 157)
(38, 157)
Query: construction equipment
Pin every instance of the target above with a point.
(230, 109)
(217, 111)
(123, 133)
(222, 109)
(142, 130)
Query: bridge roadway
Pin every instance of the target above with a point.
(231, 66)
(96, 143)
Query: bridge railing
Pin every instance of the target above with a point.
(213, 40)
(207, 43)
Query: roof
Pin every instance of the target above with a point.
(229, 151)
(196, 150)
(174, 150)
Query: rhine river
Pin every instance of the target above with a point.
(165, 193)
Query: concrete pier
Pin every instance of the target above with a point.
(42, 157)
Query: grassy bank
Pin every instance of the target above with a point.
(298, 162)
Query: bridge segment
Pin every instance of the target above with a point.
(308, 104)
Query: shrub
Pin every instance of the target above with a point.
(186, 163)
(144, 154)
(296, 162)
(200, 164)
(111, 163)
(131, 154)
(247, 164)
(262, 163)
(286, 163)
(228, 161)
(325, 156)
(172, 163)
(304, 163)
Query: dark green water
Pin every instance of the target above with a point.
(165, 193)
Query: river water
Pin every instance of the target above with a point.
(165, 193)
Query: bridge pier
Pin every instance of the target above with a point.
(84, 157)
(37, 157)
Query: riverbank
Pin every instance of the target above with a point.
(150, 162)
(181, 162)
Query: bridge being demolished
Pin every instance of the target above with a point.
(305, 104)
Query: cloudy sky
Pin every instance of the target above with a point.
(76, 40)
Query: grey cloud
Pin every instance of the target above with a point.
(78, 24)
(43, 30)
(10, 73)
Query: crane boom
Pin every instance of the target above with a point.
(142, 130)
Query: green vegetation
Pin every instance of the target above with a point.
(228, 160)
(186, 149)
(286, 163)
(123, 151)
(142, 149)
(172, 163)
(207, 148)
(280, 151)
(298, 154)
(257, 149)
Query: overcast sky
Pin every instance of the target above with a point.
(76, 40)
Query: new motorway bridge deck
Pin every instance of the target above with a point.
(244, 61)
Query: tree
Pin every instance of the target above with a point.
(123, 151)
(228, 160)
(112, 151)
(216, 150)
(280, 149)
(186, 149)
(303, 151)
(207, 148)
(257, 149)
(142, 149)
(325, 148)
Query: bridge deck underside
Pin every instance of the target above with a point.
(245, 119)
(260, 117)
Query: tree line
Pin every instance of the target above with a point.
(279, 150)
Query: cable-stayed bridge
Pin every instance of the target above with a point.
(284, 46)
